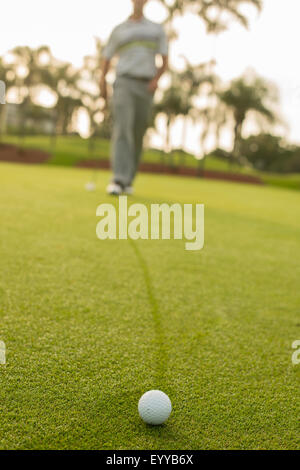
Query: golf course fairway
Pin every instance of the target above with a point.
(90, 325)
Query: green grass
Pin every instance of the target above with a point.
(291, 181)
(90, 325)
(70, 150)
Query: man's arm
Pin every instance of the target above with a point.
(104, 70)
(154, 82)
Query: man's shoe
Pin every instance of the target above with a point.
(114, 189)
(128, 190)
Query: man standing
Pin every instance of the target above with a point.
(137, 41)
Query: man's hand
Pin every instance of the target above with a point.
(103, 85)
(152, 87)
(103, 89)
(154, 82)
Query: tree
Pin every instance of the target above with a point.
(64, 82)
(268, 152)
(89, 86)
(40, 68)
(216, 14)
(244, 95)
(175, 102)
(9, 75)
(178, 99)
(29, 71)
(2, 106)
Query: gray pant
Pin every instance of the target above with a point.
(132, 105)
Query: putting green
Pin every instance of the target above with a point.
(90, 325)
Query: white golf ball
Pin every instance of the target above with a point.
(90, 186)
(154, 407)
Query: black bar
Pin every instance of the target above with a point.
(151, 459)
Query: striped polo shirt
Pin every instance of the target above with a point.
(136, 43)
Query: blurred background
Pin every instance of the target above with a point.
(228, 108)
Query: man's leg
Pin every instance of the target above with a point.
(143, 109)
(123, 145)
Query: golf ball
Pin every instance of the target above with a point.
(90, 186)
(154, 407)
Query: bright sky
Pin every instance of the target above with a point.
(69, 27)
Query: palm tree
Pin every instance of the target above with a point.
(61, 78)
(28, 70)
(2, 105)
(244, 95)
(64, 82)
(192, 80)
(216, 14)
(175, 102)
(89, 86)
(9, 75)
(27, 74)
